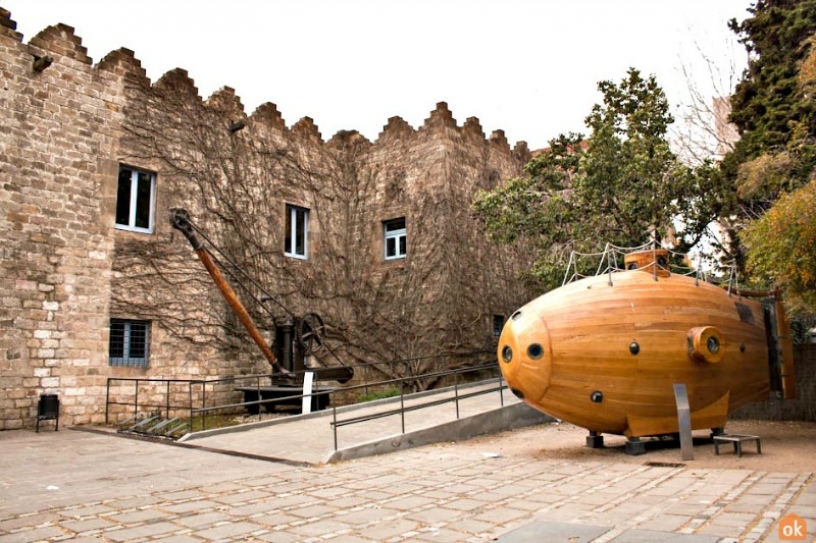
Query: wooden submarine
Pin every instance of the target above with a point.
(605, 352)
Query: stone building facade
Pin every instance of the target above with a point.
(376, 237)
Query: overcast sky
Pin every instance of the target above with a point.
(527, 67)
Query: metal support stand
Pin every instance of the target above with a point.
(737, 440)
(635, 447)
(684, 421)
(594, 440)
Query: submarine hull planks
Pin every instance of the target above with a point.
(610, 353)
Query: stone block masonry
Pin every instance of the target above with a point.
(66, 128)
(58, 141)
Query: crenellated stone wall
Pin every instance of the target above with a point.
(58, 142)
(67, 270)
(66, 128)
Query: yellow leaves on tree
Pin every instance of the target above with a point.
(807, 70)
(782, 247)
(764, 175)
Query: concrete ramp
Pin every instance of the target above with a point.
(509, 417)
(427, 418)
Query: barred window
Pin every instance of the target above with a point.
(498, 325)
(129, 343)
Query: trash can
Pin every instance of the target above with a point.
(48, 409)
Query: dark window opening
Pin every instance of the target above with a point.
(135, 200)
(296, 237)
(129, 343)
(396, 239)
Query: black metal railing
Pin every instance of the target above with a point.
(456, 398)
(196, 399)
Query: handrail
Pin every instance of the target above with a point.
(403, 409)
(167, 406)
(365, 418)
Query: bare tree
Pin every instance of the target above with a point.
(235, 175)
(703, 135)
(702, 131)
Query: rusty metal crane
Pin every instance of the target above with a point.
(296, 338)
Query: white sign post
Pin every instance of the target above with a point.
(308, 378)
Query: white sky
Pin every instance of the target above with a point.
(529, 67)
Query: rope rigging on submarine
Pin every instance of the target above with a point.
(296, 336)
(604, 351)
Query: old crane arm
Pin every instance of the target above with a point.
(180, 220)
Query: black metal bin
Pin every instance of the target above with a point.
(48, 409)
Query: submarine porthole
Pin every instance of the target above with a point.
(507, 353)
(634, 348)
(662, 262)
(596, 397)
(632, 266)
(706, 344)
(519, 394)
(742, 347)
(515, 315)
(535, 351)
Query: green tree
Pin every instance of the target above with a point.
(773, 106)
(782, 248)
(774, 110)
(622, 185)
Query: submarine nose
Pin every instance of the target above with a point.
(525, 355)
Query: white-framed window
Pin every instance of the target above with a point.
(296, 243)
(129, 343)
(135, 200)
(396, 239)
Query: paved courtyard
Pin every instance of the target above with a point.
(82, 486)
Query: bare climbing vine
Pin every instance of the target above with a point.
(440, 300)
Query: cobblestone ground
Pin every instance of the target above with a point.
(75, 485)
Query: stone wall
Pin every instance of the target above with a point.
(58, 139)
(66, 270)
(236, 185)
(67, 128)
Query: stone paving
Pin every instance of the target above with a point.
(65, 485)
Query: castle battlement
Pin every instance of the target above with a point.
(123, 63)
(307, 129)
(473, 128)
(93, 156)
(226, 101)
(267, 114)
(348, 138)
(60, 40)
(179, 82)
(441, 117)
(397, 128)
